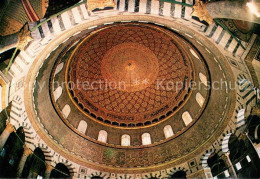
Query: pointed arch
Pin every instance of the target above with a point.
(12, 153)
(216, 165)
(35, 165)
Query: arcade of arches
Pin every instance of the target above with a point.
(129, 89)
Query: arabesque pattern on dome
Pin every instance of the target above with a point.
(63, 145)
(130, 72)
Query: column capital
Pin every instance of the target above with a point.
(200, 11)
(227, 154)
(229, 165)
(24, 37)
(27, 151)
(9, 127)
(256, 110)
(49, 168)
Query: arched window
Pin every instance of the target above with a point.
(200, 99)
(57, 93)
(125, 140)
(11, 154)
(59, 68)
(168, 131)
(217, 166)
(203, 79)
(96, 177)
(102, 136)
(254, 129)
(66, 111)
(146, 139)
(82, 127)
(179, 174)
(194, 53)
(186, 118)
(60, 171)
(35, 165)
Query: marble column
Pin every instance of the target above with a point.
(48, 171)
(26, 153)
(230, 166)
(5, 134)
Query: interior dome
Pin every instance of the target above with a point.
(141, 89)
(96, 119)
(129, 72)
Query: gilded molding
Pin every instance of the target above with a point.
(100, 4)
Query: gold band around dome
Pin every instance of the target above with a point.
(111, 145)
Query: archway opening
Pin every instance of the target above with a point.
(216, 165)
(35, 165)
(179, 174)
(96, 177)
(11, 154)
(60, 171)
(254, 128)
(243, 157)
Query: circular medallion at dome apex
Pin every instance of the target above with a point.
(130, 67)
(128, 73)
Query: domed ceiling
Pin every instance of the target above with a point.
(129, 74)
(131, 78)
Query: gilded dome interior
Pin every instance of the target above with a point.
(129, 89)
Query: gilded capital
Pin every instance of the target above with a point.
(24, 37)
(9, 127)
(100, 4)
(256, 111)
(200, 11)
(27, 151)
(227, 154)
(48, 168)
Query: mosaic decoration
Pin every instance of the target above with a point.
(129, 73)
